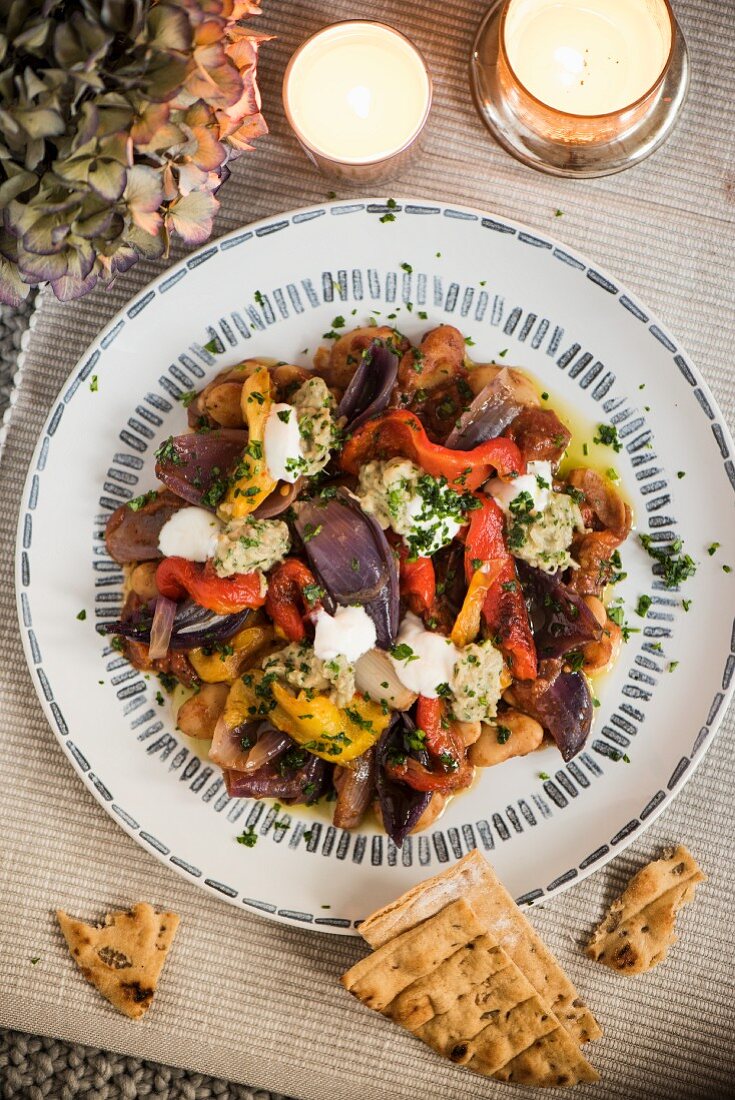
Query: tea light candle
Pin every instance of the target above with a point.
(580, 87)
(357, 95)
(588, 57)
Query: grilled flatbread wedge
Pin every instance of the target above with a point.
(450, 983)
(639, 927)
(472, 878)
(124, 956)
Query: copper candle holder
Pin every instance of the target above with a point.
(561, 142)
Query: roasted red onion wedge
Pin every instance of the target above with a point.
(400, 805)
(561, 702)
(355, 789)
(561, 620)
(494, 408)
(236, 747)
(191, 628)
(161, 627)
(370, 388)
(305, 783)
(351, 557)
(195, 466)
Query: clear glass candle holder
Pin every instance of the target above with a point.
(357, 95)
(584, 141)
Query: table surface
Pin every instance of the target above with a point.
(256, 1002)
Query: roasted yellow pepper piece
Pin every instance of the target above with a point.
(317, 724)
(467, 625)
(326, 730)
(223, 667)
(252, 482)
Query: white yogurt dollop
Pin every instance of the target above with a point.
(282, 443)
(190, 533)
(537, 483)
(428, 660)
(349, 633)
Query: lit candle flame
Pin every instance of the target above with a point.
(359, 99)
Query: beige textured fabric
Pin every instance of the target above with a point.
(259, 1002)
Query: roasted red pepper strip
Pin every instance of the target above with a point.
(401, 433)
(177, 577)
(417, 582)
(450, 770)
(286, 603)
(504, 610)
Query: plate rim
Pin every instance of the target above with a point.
(371, 205)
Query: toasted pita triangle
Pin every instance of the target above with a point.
(474, 879)
(639, 927)
(450, 983)
(123, 957)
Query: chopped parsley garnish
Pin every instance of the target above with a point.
(217, 489)
(502, 354)
(159, 699)
(559, 214)
(140, 502)
(94, 384)
(644, 602)
(727, 569)
(612, 474)
(357, 719)
(35, 959)
(167, 453)
(680, 474)
(713, 548)
(312, 593)
(448, 762)
(544, 775)
(82, 615)
(248, 837)
(187, 397)
(284, 415)
(403, 652)
(675, 566)
(673, 665)
(311, 531)
(607, 435)
(407, 268)
(167, 681)
(544, 396)
(575, 660)
(416, 740)
(575, 494)
(504, 733)
(686, 604)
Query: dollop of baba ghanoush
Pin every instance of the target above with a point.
(298, 667)
(541, 522)
(300, 436)
(250, 545)
(424, 510)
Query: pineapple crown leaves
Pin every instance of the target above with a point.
(117, 122)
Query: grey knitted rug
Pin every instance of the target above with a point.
(33, 1067)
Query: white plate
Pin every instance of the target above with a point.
(273, 289)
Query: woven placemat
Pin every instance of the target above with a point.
(251, 1001)
(35, 1066)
